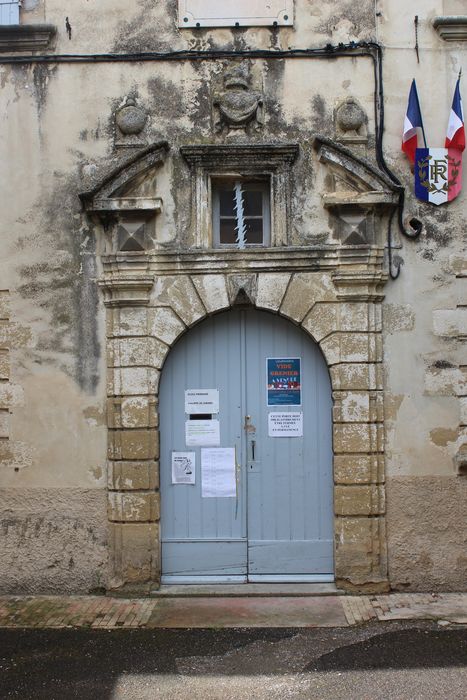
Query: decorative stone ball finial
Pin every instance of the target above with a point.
(350, 116)
(131, 119)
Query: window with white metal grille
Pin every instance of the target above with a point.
(235, 13)
(241, 213)
(9, 11)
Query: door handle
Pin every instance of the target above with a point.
(253, 445)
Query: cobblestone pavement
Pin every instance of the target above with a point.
(100, 612)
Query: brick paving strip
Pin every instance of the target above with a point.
(99, 612)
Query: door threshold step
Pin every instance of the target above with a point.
(265, 590)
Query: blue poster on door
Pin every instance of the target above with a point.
(284, 381)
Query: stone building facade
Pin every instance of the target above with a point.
(119, 124)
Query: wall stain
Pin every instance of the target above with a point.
(64, 284)
(441, 436)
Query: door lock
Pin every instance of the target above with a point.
(248, 427)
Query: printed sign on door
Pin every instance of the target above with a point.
(284, 386)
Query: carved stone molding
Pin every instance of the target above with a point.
(362, 196)
(26, 37)
(125, 211)
(359, 286)
(115, 192)
(125, 290)
(451, 27)
(242, 289)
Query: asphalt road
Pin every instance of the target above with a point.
(380, 660)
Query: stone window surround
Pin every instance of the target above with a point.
(208, 162)
(333, 292)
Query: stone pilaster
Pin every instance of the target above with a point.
(134, 358)
(355, 351)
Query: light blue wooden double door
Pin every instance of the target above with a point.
(280, 524)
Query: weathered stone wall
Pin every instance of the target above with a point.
(424, 327)
(53, 540)
(78, 380)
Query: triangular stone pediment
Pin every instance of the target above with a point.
(356, 180)
(130, 186)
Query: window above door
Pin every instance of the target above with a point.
(235, 13)
(240, 194)
(240, 213)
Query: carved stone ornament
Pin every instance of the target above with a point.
(242, 289)
(351, 122)
(360, 196)
(125, 204)
(130, 121)
(237, 105)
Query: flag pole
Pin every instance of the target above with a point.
(420, 113)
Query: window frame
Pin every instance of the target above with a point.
(263, 185)
(208, 162)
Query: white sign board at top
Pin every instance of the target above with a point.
(234, 13)
(201, 401)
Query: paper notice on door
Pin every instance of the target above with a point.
(201, 401)
(218, 473)
(183, 467)
(285, 424)
(202, 433)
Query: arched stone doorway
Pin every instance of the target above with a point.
(333, 292)
(265, 513)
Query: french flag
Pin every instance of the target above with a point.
(455, 136)
(412, 122)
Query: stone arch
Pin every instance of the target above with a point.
(344, 332)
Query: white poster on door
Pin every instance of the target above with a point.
(202, 433)
(183, 467)
(285, 424)
(201, 401)
(218, 473)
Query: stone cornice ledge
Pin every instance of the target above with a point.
(451, 27)
(25, 37)
(126, 290)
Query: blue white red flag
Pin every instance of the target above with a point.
(412, 122)
(438, 174)
(455, 136)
